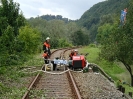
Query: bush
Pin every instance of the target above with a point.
(92, 45)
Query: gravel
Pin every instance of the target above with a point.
(96, 86)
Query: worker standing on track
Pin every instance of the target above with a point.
(46, 49)
(46, 46)
(45, 55)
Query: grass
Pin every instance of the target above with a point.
(111, 69)
(10, 85)
(36, 60)
(114, 69)
(13, 80)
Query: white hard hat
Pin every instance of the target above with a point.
(47, 38)
(75, 50)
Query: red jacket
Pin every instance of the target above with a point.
(46, 47)
(45, 55)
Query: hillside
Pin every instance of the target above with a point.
(53, 17)
(91, 18)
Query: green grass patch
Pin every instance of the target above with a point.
(128, 88)
(13, 78)
(110, 68)
(113, 69)
(35, 60)
(93, 53)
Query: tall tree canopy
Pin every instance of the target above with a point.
(13, 40)
(117, 42)
(60, 31)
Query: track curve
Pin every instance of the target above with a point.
(59, 86)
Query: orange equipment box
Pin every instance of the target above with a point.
(79, 62)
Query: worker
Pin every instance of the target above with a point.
(46, 56)
(46, 46)
(123, 17)
(76, 52)
(71, 54)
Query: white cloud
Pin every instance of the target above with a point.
(0, 3)
(72, 9)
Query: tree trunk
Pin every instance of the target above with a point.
(130, 71)
(132, 80)
(131, 74)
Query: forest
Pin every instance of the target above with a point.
(21, 37)
(103, 11)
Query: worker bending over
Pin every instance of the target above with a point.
(71, 55)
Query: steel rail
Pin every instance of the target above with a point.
(37, 78)
(74, 86)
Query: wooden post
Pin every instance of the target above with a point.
(123, 89)
(130, 94)
(120, 88)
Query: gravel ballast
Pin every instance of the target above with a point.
(96, 86)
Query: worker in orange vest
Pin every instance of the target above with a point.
(46, 46)
(76, 52)
(46, 57)
(71, 54)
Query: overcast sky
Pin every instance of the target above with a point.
(72, 9)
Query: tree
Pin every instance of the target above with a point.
(109, 18)
(31, 39)
(104, 32)
(118, 45)
(58, 30)
(10, 21)
(102, 10)
(80, 38)
(9, 15)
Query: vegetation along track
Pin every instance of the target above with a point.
(53, 85)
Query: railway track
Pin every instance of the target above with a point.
(53, 85)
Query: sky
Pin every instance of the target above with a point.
(72, 9)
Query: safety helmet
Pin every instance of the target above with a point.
(75, 50)
(47, 38)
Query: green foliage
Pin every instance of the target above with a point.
(80, 38)
(118, 44)
(101, 13)
(37, 94)
(127, 88)
(64, 43)
(12, 83)
(14, 79)
(59, 32)
(111, 68)
(35, 60)
(7, 39)
(17, 41)
(104, 32)
(30, 38)
(92, 45)
(10, 22)
(10, 16)
(53, 17)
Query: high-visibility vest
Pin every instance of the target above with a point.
(47, 45)
(75, 54)
(45, 55)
